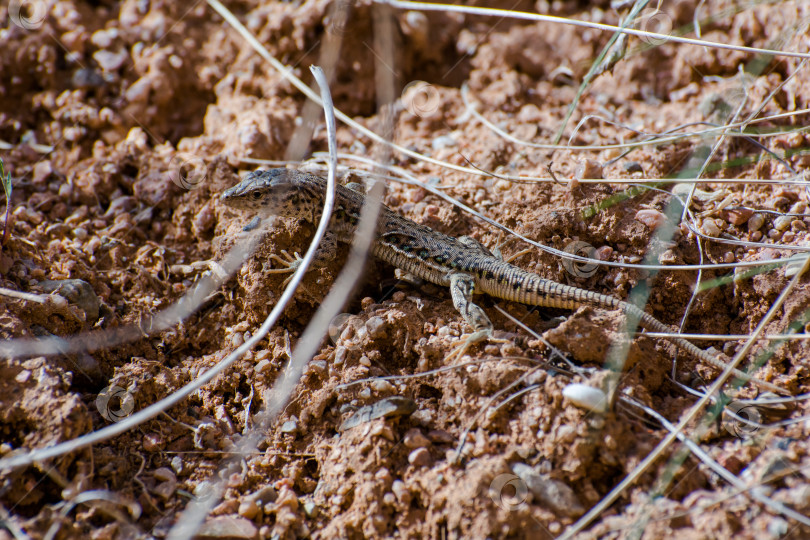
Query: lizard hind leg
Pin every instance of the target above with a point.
(462, 287)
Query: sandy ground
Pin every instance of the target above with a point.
(120, 123)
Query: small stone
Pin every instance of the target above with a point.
(798, 225)
(782, 222)
(42, 170)
(738, 216)
(376, 327)
(778, 527)
(728, 258)
(177, 464)
(710, 228)
(401, 491)
(317, 366)
(265, 495)
(502, 186)
(755, 236)
(550, 492)
(755, 222)
(419, 457)
(586, 397)
(440, 436)
(788, 237)
(110, 61)
(382, 430)
(230, 527)
(651, 218)
(382, 386)
(65, 191)
(633, 167)
(262, 366)
(165, 490)
(444, 141)
(164, 474)
(248, 509)
(588, 169)
(778, 202)
(290, 426)
(364, 361)
(311, 509)
(340, 355)
(414, 439)
(774, 234)
(603, 253)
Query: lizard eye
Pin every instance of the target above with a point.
(255, 195)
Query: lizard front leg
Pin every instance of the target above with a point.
(462, 287)
(326, 251)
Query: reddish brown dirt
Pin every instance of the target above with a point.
(102, 104)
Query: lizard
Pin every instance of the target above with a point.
(463, 264)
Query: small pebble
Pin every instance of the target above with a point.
(152, 442)
(773, 234)
(799, 207)
(550, 492)
(710, 228)
(603, 253)
(290, 426)
(651, 218)
(778, 202)
(262, 366)
(586, 397)
(42, 171)
(444, 141)
(798, 225)
(728, 257)
(401, 491)
(633, 167)
(376, 327)
(248, 509)
(340, 355)
(317, 366)
(414, 439)
(164, 474)
(782, 222)
(738, 216)
(177, 464)
(364, 361)
(502, 186)
(756, 236)
(419, 457)
(788, 237)
(311, 509)
(755, 222)
(588, 168)
(381, 385)
(165, 490)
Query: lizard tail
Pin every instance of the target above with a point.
(649, 322)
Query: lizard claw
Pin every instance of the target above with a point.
(460, 348)
(289, 264)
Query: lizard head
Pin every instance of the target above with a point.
(278, 192)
